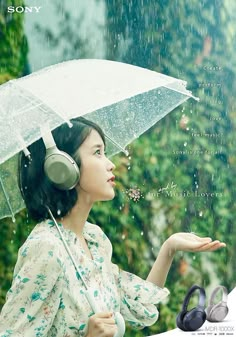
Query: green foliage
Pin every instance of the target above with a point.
(185, 165)
(13, 43)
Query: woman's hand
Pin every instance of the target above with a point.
(179, 241)
(190, 242)
(101, 324)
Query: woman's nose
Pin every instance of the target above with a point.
(112, 166)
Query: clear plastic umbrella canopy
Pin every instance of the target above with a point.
(124, 100)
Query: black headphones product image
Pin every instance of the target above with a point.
(216, 312)
(193, 319)
(59, 167)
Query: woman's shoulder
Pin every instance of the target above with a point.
(43, 237)
(93, 232)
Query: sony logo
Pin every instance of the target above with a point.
(21, 9)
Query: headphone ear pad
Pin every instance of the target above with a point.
(194, 319)
(61, 170)
(179, 320)
(217, 312)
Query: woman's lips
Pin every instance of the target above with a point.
(112, 182)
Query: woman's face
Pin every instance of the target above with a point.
(95, 171)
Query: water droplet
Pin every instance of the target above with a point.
(200, 213)
(159, 92)
(141, 233)
(123, 236)
(128, 167)
(185, 144)
(132, 216)
(58, 212)
(194, 257)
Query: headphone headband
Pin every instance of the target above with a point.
(202, 297)
(215, 291)
(47, 137)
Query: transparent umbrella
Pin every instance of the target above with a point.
(124, 100)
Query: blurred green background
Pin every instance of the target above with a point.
(180, 174)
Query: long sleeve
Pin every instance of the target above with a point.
(34, 297)
(138, 298)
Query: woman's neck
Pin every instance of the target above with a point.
(77, 217)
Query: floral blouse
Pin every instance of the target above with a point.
(47, 298)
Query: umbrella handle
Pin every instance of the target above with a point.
(120, 322)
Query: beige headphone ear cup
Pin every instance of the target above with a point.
(61, 169)
(208, 310)
(218, 312)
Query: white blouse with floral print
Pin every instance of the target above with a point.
(47, 299)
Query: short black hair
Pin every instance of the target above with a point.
(36, 189)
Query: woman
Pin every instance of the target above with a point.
(47, 298)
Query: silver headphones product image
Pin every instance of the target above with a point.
(59, 167)
(217, 312)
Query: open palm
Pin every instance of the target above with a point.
(192, 243)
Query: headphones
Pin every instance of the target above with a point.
(193, 319)
(217, 312)
(59, 166)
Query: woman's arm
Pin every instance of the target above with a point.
(178, 242)
(34, 297)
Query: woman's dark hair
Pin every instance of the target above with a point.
(36, 189)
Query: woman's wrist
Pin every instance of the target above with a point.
(168, 248)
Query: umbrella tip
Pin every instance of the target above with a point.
(196, 98)
(27, 154)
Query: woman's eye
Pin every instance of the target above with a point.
(99, 152)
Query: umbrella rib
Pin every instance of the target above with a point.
(187, 92)
(120, 147)
(7, 199)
